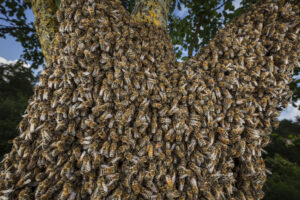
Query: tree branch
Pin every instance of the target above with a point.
(10, 28)
(224, 2)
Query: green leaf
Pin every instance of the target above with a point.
(185, 58)
(57, 2)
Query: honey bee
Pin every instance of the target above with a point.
(150, 151)
(170, 182)
(91, 10)
(102, 187)
(146, 193)
(179, 152)
(105, 148)
(67, 190)
(135, 187)
(90, 123)
(219, 192)
(116, 195)
(194, 185)
(106, 115)
(221, 130)
(106, 170)
(224, 139)
(113, 149)
(152, 186)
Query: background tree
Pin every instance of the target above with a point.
(284, 182)
(16, 86)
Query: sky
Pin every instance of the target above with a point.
(11, 50)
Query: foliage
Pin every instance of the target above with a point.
(129, 4)
(284, 183)
(57, 2)
(286, 141)
(16, 86)
(284, 162)
(13, 22)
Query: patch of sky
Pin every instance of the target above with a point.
(290, 113)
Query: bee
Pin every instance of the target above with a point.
(24, 194)
(221, 130)
(67, 190)
(88, 55)
(102, 185)
(105, 148)
(86, 164)
(292, 36)
(219, 192)
(170, 182)
(91, 10)
(135, 187)
(77, 16)
(60, 15)
(152, 186)
(205, 65)
(150, 151)
(194, 185)
(66, 169)
(224, 138)
(165, 120)
(146, 193)
(106, 115)
(106, 170)
(113, 149)
(117, 195)
(179, 152)
(47, 156)
(123, 148)
(208, 195)
(173, 194)
(144, 104)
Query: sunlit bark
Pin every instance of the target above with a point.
(46, 24)
(155, 11)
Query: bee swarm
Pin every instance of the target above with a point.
(116, 117)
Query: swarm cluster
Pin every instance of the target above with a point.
(116, 117)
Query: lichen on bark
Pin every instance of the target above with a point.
(46, 24)
(155, 11)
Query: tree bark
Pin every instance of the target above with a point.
(46, 24)
(155, 11)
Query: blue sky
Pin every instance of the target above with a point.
(10, 51)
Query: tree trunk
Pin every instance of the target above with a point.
(46, 24)
(152, 11)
